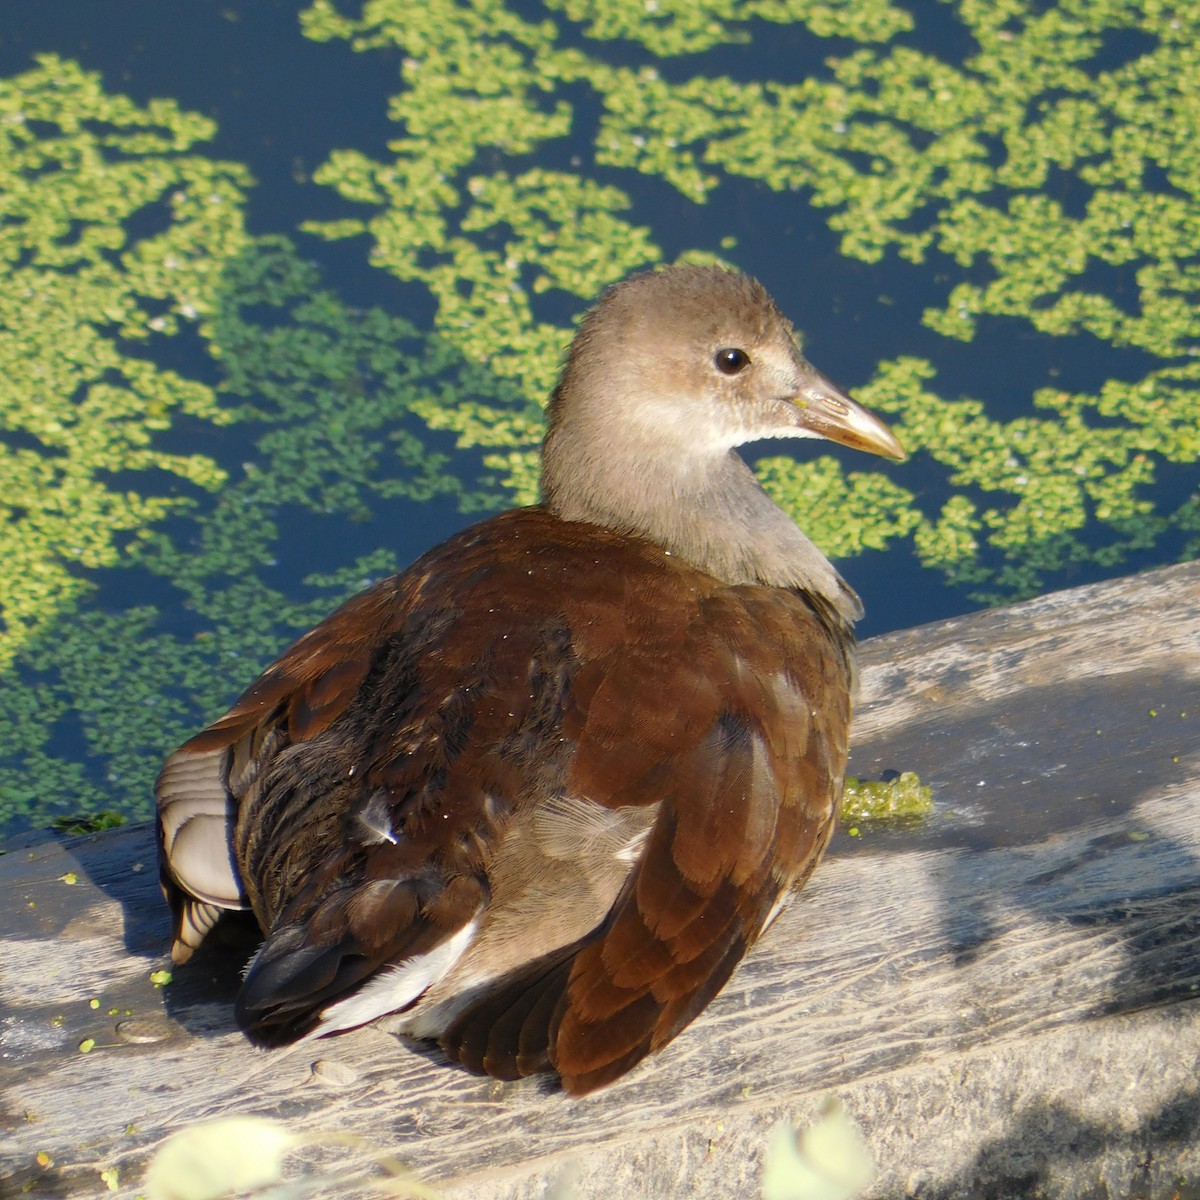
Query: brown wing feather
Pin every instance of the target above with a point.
(747, 768)
(368, 776)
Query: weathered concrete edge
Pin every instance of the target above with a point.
(1115, 1115)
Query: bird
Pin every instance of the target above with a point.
(535, 797)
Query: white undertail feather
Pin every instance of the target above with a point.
(397, 987)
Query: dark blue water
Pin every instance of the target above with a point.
(283, 104)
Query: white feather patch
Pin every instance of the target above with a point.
(781, 902)
(398, 986)
(375, 821)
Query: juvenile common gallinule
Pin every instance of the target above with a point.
(539, 794)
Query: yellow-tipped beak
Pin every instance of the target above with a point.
(829, 413)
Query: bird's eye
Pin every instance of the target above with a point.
(731, 360)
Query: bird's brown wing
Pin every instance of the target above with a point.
(738, 731)
(355, 795)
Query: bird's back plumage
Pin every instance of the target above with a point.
(633, 701)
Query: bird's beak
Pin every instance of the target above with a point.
(826, 411)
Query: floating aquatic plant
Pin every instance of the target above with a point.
(84, 303)
(1047, 179)
(1058, 180)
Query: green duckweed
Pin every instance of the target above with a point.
(1045, 181)
(900, 800)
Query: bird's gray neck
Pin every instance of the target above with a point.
(711, 512)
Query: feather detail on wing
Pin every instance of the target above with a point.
(550, 848)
